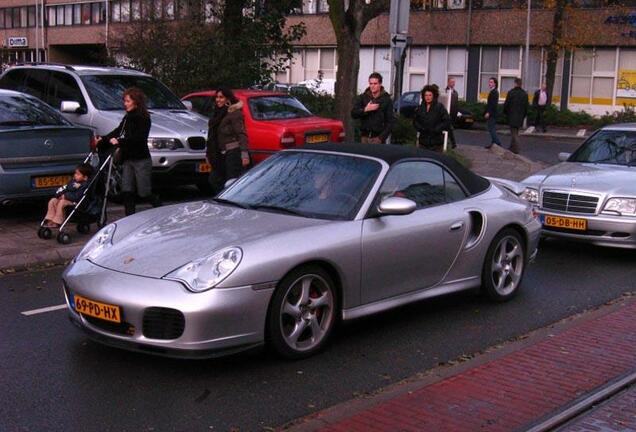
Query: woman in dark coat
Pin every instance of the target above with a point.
(431, 119)
(227, 140)
(491, 111)
(131, 137)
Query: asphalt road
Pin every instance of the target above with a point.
(536, 147)
(54, 379)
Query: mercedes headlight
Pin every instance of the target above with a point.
(96, 245)
(622, 206)
(205, 273)
(164, 144)
(530, 195)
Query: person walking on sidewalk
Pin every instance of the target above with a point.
(540, 102)
(454, 108)
(226, 148)
(491, 111)
(131, 138)
(374, 109)
(431, 120)
(516, 109)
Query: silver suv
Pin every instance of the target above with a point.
(92, 96)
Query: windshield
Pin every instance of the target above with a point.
(18, 110)
(317, 185)
(613, 147)
(107, 91)
(277, 108)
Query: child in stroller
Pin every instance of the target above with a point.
(68, 195)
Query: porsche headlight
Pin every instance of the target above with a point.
(205, 273)
(96, 245)
(165, 144)
(530, 195)
(622, 206)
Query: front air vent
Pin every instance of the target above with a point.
(196, 143)
(163, 323)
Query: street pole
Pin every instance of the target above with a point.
(527, 56)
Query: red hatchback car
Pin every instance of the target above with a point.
(274, 121)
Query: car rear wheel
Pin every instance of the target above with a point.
(303, 313)
(504, 265)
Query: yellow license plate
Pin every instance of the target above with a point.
(565, 222)
(469, 120)
(204, 167)
(314, 139)
(50, 181)
(96, 309)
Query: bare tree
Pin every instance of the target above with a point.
(349, 19)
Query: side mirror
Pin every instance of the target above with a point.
(230, 182)
(72, 107)
(394, 206)
(563, 156)
(188, 104)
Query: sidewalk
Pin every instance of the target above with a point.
(524, 385)
(553, 131)
(20, 247)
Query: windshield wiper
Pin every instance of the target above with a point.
(232, 203)
(278, 209)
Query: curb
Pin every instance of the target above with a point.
(506, 131)
(33, 261)
(332, 415)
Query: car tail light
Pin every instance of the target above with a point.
(341, 136)
(287, 140)
(93, 143)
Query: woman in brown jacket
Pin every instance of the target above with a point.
(227, 141)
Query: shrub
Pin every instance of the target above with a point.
(627, 115)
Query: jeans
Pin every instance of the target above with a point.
(540, 122)
(514, 139)
(492, 128)
(226, 166)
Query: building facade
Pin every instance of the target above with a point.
(469, 40)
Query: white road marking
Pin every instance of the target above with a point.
(43, 310)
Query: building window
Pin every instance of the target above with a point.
(23, 17)
(52, 20)
(60, 15)
(86, 13)
(77, 14)
(593, 76)
(31, 14)
(168, 9)
(16, 17)
(2, 18)
(125, 11)
(68, 15)
(115, 11)
(135, 10)
(96, 13)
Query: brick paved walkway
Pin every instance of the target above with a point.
(510, 392)
(615, 415)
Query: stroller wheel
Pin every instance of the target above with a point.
(63, 238)
(83, 228)
(40, 232)
(46, 233)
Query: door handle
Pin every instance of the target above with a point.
(457, 226)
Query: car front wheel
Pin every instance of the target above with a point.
(303, 313)
(504, 265)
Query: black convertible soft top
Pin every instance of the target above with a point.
(392, 154)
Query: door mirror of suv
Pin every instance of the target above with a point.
(396, 206)
(188, 104)
(72, 107)
(563, 156)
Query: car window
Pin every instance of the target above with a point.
(277, 108)
(203, 105)
(63, 87)
(410, 97)
(106, 91)
(36, 83)
(425, 183)
(614, 147)
(19, 110)
(318, 185)
(13, 80)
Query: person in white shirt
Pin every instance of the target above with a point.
(541, 100)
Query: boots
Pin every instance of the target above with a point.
(129, 203)
(154, 200)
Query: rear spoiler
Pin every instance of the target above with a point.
(513, 186)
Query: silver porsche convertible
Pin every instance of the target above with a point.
(591, 195)
(307, 238)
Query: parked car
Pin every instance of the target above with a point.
(274, 121)
(39, 149)
(292, 89)
(325, 86)
(92, 97)
(304, 239)
(409, 101)
(591, 195)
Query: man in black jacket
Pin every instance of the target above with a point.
(541, 100)
(374, 108)
(516, 109)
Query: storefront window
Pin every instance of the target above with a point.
(77, 14)
(68, 15)
(125, 11)
(52, 16)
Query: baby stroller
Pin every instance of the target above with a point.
(91, 208)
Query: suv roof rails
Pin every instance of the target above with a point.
(65, 66)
